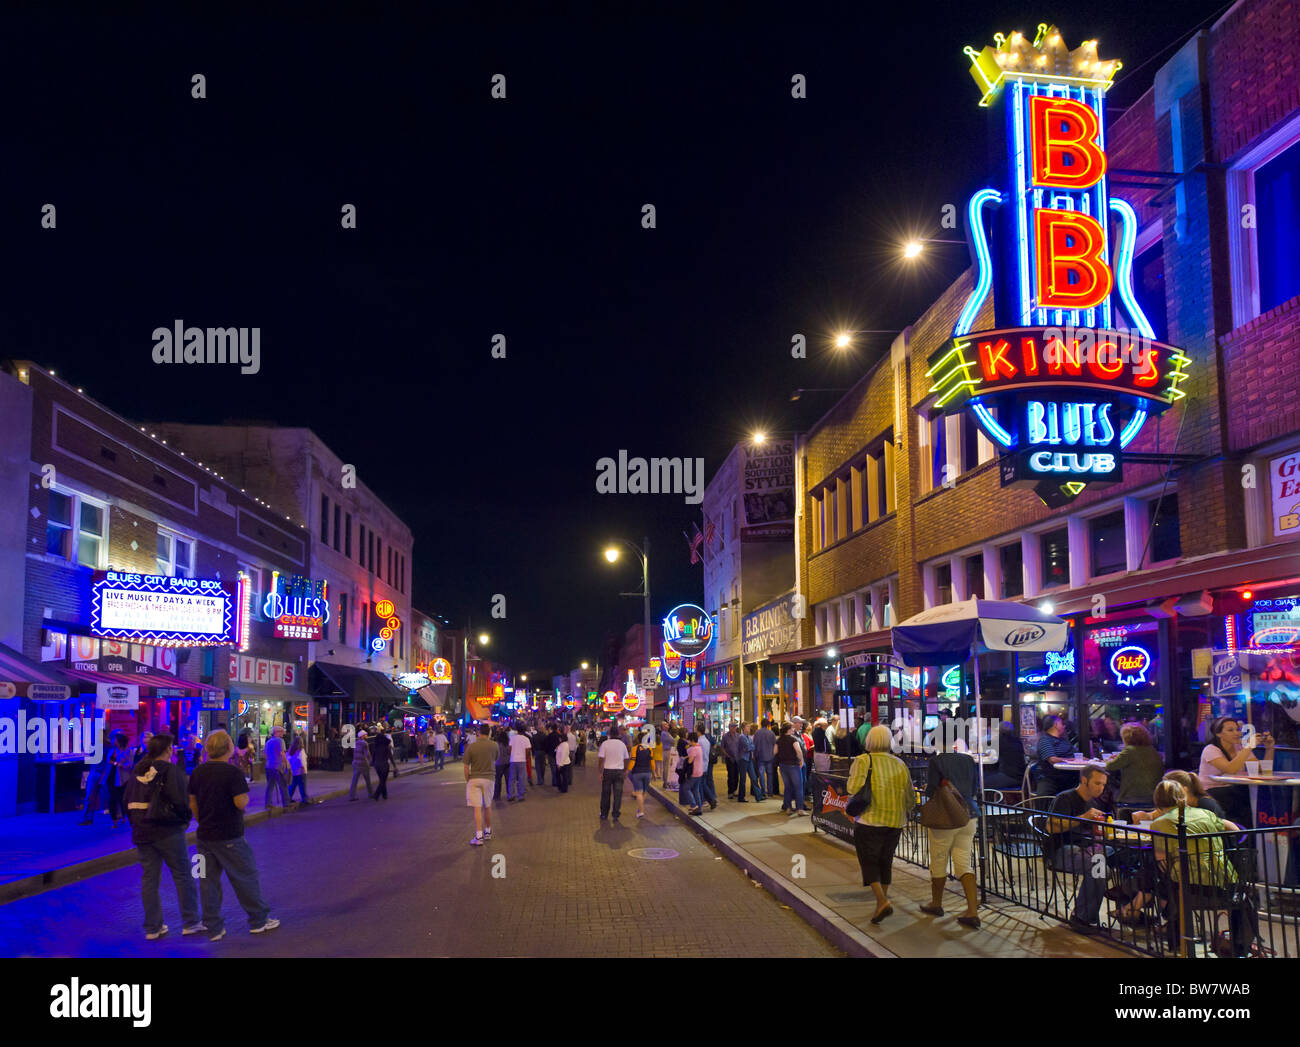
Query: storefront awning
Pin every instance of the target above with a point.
(266, 692)
(881, 639)
(53, 684)
(154, 678)
(328, 680)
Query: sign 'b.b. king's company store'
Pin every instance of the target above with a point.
(1069, 373)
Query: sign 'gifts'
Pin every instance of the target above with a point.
(1071, 369)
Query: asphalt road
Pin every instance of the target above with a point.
(399, 879)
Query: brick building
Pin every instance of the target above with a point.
(903, 506)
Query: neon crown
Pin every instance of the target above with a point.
(1047, 58)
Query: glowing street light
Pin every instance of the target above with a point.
(843, 340)
(584, 665)
(611, 554)
(483, 639)
(760, 438)
(912, 248)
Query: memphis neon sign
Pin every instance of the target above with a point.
(688, 630)
(1069, 340)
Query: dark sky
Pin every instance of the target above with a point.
(520, 217)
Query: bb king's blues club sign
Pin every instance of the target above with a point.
(1066, 378)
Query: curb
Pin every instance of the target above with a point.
(834, 928)
(39, 883)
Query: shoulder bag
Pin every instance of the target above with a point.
(945, 809)
(861, 799)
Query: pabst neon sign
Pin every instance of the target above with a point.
(1130, 666)
(1069, 373)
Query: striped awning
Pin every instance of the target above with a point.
(52, 684)
(153, 678)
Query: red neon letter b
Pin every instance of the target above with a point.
(1068, 245)
(1063, 134)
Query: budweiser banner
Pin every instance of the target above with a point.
(830, 796)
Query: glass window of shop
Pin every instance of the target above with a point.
(975, 576)
(1055, 547)
(1046, 683)
(943, 583)
(1166, 541)
(1106, 548)
(1013, 570)
(1122, 683)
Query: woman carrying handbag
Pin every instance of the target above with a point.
(949, 816)
(882, 796)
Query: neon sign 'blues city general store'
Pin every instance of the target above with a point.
(1070, 372)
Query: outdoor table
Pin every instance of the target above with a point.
(1274, 779)
(1079, 765)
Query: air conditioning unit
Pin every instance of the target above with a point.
(1196, 605)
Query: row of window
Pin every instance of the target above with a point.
(370, 547)
(76, 530)
(857, 496)
(867, 610)
(1138, 534)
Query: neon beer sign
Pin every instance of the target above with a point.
(1069, 372)
(1130, 665)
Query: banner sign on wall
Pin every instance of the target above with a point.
(769, 492)
(1285, 474)
(119, 696)
(770, 630)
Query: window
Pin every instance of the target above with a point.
(970, 441)
(361, 544)
(347, 536)
(362, 638)
(254, 587)
(1277, 209)
(371, 553)
(1056, 558)
(938, 451)
(1149, 288)
(884, 480)
(832, 531)
(1013, 570)
(1166, 542)
(887, 618)
(74, 529)
(343, 618)
(379, 555)
(325, 519)
(943, 583)
(1106, 543)
(975, 576)
(175, 557)
(338, 512)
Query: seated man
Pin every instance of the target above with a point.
(1053, 748)
(1073, 847)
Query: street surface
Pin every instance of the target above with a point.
(400, 879)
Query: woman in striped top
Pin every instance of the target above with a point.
(879, 827)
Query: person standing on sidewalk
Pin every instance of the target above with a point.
(298, 768)
(640, 766)
(611, 759)
(745, 768)
(480, 768)
(765, 758)
(95, 778)
(707, 790)
(218, 796)
(381, 755)
(789, 760)
(563, 764)
(502, 765)
(361, 766)
(696, 763)
(730, 748)
(440, 744)
(277, 769)
(520, 747)
(159, 836)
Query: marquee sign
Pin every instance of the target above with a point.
(298, 606)
(688, 630)
(165, 612)
(1069, 373)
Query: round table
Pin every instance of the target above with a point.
(1273, 779)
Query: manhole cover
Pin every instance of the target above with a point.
(653, 854)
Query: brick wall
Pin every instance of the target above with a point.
(1253, 65)
(1262, 377)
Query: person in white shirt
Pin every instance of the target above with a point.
(572, 736)
(563, 764)
(610, 760)
(440, 745)
(520, 746)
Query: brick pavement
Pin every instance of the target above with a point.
(399, 879)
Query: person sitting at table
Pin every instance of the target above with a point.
(1139, 766)
(1074, 848)
(1010, 770)
(1053, 748)
(1226, 755)
(1106, 735)
(1196, 796)
(1210, 876)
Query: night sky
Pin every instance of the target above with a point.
(521, 217)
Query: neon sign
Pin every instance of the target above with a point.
(631, 699)
(378, 644)
(440, 671)
(1130, 665)
(951, 681)
(688, 630)
(163, 612)
(1067, 377)
(672, 665)
(298, 606)
(1059, 663)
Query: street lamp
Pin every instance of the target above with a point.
(612, 554)
(584, 665)
(913, 248)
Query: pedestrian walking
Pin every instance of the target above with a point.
(571, 736)
(730, 748)
(96, 777)
(580, 760)
(277, 768)
(520, 746)
(244, 756)
(481, 764)
(956, 769)
(640, 768)
(611, 758)
(361, 766)
(298, 769)
(421, 745)
(695, 761)
(381, 757)
(440, 745)
(707, 790)
(158, 808)
(789, 760)
(502, 763)
(218, 797)
(119, 772)
(804, 736)
(879, 826)
(563, 765)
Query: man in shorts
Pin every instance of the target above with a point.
(480, 773)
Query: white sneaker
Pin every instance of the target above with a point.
(487, 834)
(640, 814)
(194, 928)
(153, 936)
(270, 925)
(477, 841)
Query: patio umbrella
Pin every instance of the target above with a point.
(947, 635)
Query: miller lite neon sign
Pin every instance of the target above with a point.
(1069, 373)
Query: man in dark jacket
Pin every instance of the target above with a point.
(161, 838)
(381, 755)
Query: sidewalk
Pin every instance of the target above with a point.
(42, 851)
(765, 843)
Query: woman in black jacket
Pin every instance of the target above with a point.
(381, 755)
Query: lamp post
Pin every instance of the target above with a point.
(464, 667)
(612, 555)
